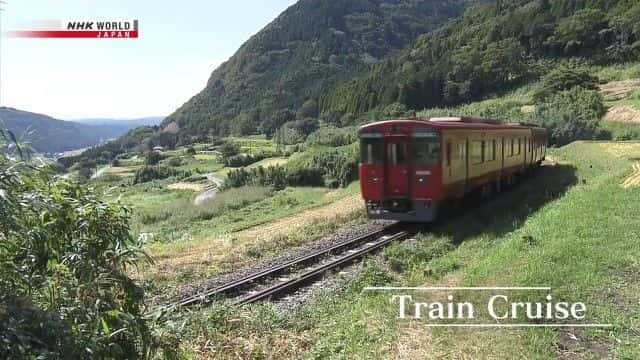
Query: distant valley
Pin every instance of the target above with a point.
(49, 135)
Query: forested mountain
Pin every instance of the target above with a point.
(492, 47)
(50, 135)
(279, 74)
(323, 61)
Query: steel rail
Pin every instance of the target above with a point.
(205, 296)
(296, 283)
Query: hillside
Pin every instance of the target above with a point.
(49, 135)
(493, 47)
(302, 54)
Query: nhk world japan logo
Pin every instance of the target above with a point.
(97, 29)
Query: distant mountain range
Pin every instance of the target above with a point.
(128, 123)
(50, 135)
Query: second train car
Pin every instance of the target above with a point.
(409, 168)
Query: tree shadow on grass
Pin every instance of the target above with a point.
(507, 211)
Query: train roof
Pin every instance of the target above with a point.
(451, 123)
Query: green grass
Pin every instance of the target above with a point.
(571, 227)
(206, 157)
(202, 164)
(183, 211)
(254, 144)
(618, 72)
(622, 131)
(283, 203)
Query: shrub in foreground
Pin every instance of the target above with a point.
(65, 291)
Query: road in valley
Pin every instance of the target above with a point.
(214, 187)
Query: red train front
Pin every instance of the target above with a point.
(400, 172)
(409, 167)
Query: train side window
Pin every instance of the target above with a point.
(426, 150)
(488, 154)
(477, 152)
(396, 153)
(519, 146)
(448, 159)
(511, 152)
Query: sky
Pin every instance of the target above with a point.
(180, 44)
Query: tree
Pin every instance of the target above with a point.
(152, 158)
(276, 120)
(561, 79)
(242, 125)
(229, 149)
(308, 109)
(580, 31)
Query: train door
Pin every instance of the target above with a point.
(526, 151)
(397, 167)
(502, 155)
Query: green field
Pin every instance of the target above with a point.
(570, 227)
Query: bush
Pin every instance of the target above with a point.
(191, 151)
(304, 177)
(333, 136)
(65, 291)
(174, 161)
(149, 173)
(152, 158)
(244, 159)
(571, 115)
(339, 164)
(274, 176)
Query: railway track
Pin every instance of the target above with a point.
(286, 278)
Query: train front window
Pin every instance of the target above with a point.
(396, 153)
(371, 150)
(426, 150)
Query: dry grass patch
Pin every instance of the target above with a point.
(231, 248)
(121, 170)
(617, 90)
(270, 162)
(262, 345)
(625, 150)
(633, 179)
(196, 187)
(623, 113)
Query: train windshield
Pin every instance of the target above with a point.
(371, 148)
(426, 149)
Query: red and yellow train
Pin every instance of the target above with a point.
(410, 167)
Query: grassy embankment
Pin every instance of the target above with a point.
(571, 227)
(234, 227)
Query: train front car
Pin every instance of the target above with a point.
(400, 170)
